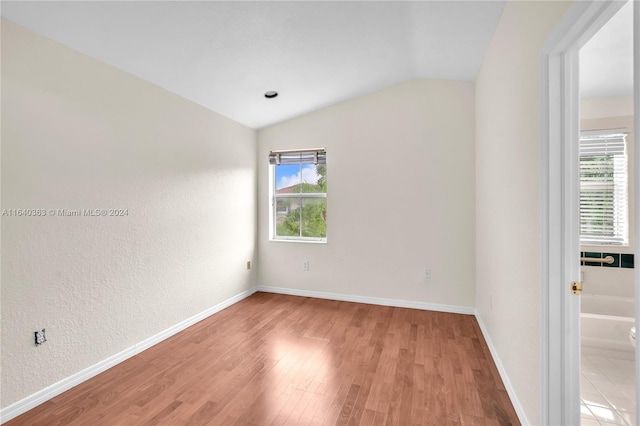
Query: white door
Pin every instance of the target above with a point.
(560, 340)
(607, 385)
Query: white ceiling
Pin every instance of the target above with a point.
(606, 60)
(225, 55)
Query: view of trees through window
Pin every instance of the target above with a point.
(300, 200)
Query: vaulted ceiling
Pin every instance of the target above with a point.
(226, 55)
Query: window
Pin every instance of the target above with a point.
(603, 188)
(299, 195)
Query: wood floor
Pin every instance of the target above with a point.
(274, 359)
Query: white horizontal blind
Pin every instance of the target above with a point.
(603, 189)
(309, 156)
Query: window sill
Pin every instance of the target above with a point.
(284, 240)
(605, 247)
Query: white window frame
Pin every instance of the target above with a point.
(273, 197)
(601, 143)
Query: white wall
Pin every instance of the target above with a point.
(508, 192)
(598, 114)
(400, 170)
(80, 134)
(615, 106)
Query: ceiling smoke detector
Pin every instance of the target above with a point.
(271, 94)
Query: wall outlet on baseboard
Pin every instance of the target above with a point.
(427, 274)
(305, 265)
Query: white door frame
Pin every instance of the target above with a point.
(560, 310)
(636, 177)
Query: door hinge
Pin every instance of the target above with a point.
(576, 287)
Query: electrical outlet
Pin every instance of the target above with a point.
(40, 337)
(427, 274)
(248, 264)
(305, 265)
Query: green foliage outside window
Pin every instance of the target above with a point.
(310, 214)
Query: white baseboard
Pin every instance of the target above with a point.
(629, 355)
(369, 300)
(503, 373)
(63, 385)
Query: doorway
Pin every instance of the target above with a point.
(561, 328)
(607, 261)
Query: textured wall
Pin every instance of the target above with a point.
(508, 192)
(77, 134)
(400, 169)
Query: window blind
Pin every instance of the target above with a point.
(603, 188)
(306, 156)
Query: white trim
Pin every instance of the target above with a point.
(559, 310)
(63, 385)
(599, 132)
(398, 303)
(301, 194)
(636, 177)
(297, 240)
(49, 392)
(522, 416)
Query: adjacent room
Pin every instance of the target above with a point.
(607, 227)
(272, 212)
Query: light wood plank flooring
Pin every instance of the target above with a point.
(275, 359)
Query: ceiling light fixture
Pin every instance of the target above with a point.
(271, 94)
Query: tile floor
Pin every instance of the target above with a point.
(607, 391)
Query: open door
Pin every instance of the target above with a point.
(560, 340)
